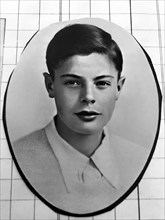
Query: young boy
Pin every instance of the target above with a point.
(75, 162)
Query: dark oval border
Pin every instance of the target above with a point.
(135, 184)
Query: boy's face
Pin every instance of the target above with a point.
(85, 89)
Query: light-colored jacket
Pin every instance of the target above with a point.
(40, 166)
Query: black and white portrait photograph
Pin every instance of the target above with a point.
(82, 115)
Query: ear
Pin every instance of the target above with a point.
(120, 84)
(49, 83)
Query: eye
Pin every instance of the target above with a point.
(72, 83)
(103, 84)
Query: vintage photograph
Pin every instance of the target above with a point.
(80, 119)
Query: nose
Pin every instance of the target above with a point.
(87, 96)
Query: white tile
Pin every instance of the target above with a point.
(43, 212)
(77, 16)
(80, 218)
(19, 52)
(2, 132)
(7, 70)
(133, 194)
(155, 169)
(163, 113)
(102, 16)
(158, 72)
(108, 215)
(9, 6)
(46, 20)
(145, 21)
(10, 38)
(29, 7)
(3, 89)
(21, 191)
(22, 210)
(64, 217)
(9, 56)
(28, 22)
(162, 22)
(162, 33)
(65, 7)
(5, 152)
(119, 7)
(24, 37)
(146, 38)
(50, 6)
(16, 174)
(5, 188)
(152, 209)
(65, 17)
(11, 21)
(161, 5)
(5, 169)
(1, 110)
(154, 54)
(162, 131)
(99, 6)
(143, 6)
(5, 210)
(122, 20)
(159, 150)
(152, 189)
(128, 209)
(80, 6)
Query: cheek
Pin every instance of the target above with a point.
(107, 104)
(65, 100)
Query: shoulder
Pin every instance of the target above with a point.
(31, 143)
(34, 137)
(127, 148)
(131, 158)
(38, 163)
(34, 150)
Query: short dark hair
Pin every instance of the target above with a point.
(81, 39)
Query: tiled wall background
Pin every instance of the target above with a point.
(21, 19)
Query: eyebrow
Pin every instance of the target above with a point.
(79, 77)
(71, 75)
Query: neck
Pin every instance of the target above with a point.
(84, 143)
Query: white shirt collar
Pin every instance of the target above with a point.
(72, 161)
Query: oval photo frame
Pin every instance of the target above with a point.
(28, 108)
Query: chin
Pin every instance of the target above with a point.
(88, 130)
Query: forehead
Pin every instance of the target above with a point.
(88, 65)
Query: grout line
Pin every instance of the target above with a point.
(56, 13)
(16, 58)
(130, 6)
(162, 68)
(60, 10)
(132, 199)
(90, 8)
(138, 198)
(34, 213)
(135, 29)
(11, 187)
(39, 21)
(69, 9)
(85, 0)
(115, 216)
(58, 216)
(109, 10)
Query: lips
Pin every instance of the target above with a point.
(87, 115)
